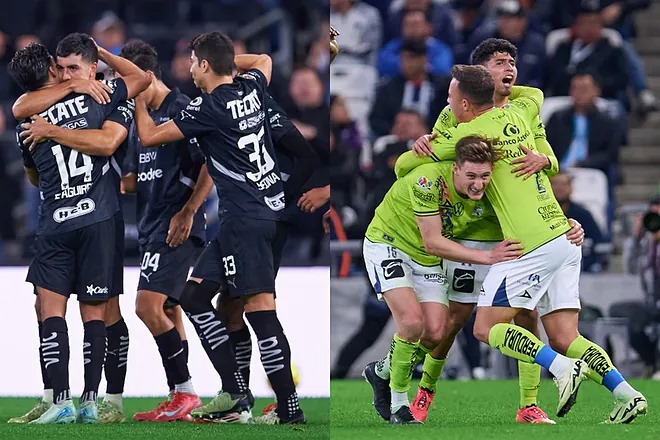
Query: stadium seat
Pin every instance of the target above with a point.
(357, 84)
(591, 191)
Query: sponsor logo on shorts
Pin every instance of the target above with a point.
(388, 238)
(533, 281)
(437, 278)
(392, 269)
(96, 290)
(463, 281)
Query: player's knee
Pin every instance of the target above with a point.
(434, 333)
(481, 330)
(528, 319)
(37, 309)
(560, 342)
(146, 310)
(411, 326)
(197, 297)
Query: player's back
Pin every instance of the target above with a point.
(77, 190)
(230, 124)
(166, 176)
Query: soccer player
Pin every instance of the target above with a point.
(229, 122)
(547, 275)
(171, 184)
(401, 248)
(499, 57)
(77, 59)
(75, 247)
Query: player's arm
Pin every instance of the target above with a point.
(443, 148)
(262, 63)
(32, 175)
(39, 100)
(136, 79)
(527, 100)
(152, 135)
(129, 183)
(182, 222)
(306, 160)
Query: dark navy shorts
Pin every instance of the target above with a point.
(118, 266)
(240, 257)
(164, 269)
(79, 262)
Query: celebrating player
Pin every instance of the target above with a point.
(75, 249)
(499, 57)
(547, 274)
(77, 58)
(229, 121)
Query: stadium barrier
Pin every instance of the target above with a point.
(303, 307)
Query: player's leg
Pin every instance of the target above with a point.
(173, 312)
(523, 283)
(231, 310)
(94, 349)
(162, 277)
(560, 320)
(47, 399)
(231, 404)
(111, 410)
(252, 278)
(52, 271)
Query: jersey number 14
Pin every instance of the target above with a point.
(73, 170)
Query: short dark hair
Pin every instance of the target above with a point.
(476, 149)
(78, 44)
(142, 55)
(489, 47)
(475, 82)
(217, 49)
(29, 66)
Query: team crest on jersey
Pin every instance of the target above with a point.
(458, 209)
(478, 211)
(424, 183)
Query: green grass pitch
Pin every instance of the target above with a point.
(316, 412)
(484, 410)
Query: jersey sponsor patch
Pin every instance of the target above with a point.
(424, 183)
(392, 269)
(83, 207)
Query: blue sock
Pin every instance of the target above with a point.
(545, 357)
(612, 379)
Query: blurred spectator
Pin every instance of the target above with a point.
(361, 31)
(179, 74)
(592, 260)
(309, 112)
(588, 51)
(341, 124)
(109, 33)
(415, 27)
(439, 14)
(6, 84)
(646, 236)
(512, 25)
(278, 82)
(582, 135)
(319, 56)
(413, 89)
(408, 126)
(22, 41)
(470, 15)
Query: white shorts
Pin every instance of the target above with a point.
(465, 279)
(547, 278)
(390, 268)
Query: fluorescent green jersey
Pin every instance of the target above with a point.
(426, 191)
(446, 120)
(527, 209)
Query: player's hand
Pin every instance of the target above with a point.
(37, 131)
(611, 13)
(422, 146)
(314, 199)
(334, 46)
(180, 227)
(505, 251)
(576, 234)
(100, 92)
(326, 222)
(530, 164)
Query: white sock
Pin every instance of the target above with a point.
(399, 400)
(624, 391)
(559, 365)
(115, 399)
(186, 387)
(383, 367)
(48, 395)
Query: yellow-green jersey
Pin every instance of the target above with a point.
(527, 209)
(446, 120)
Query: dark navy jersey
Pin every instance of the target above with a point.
(231, 127)
(77, 190)
(122, 115)
(166, 177)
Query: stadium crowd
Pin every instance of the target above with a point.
(300, 83)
